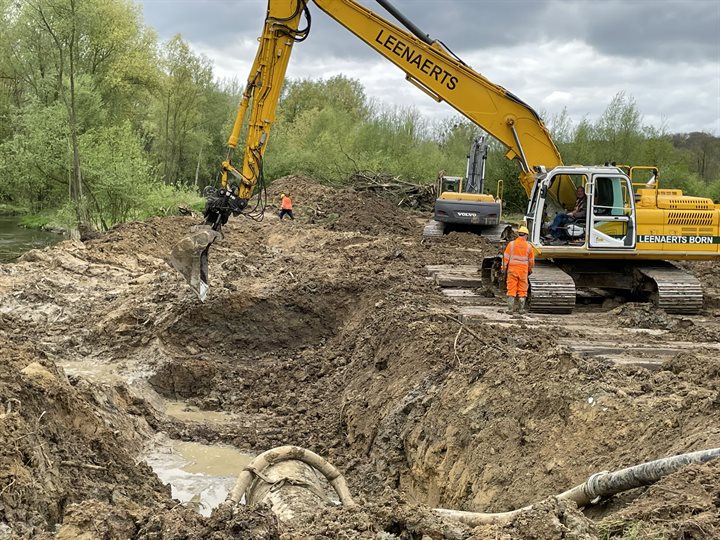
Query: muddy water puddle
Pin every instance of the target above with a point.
(200, 475)
(136, 378)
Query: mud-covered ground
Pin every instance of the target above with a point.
(325, 332)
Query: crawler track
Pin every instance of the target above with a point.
(676, 291)
(551, 290)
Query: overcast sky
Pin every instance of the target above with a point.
(553, 54)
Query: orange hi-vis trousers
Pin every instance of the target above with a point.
(518, 259)
(517, 283)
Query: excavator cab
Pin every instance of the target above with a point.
(449, 184)
(610, 221)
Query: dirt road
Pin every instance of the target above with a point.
(329, 333)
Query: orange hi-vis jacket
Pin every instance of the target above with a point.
(286, 203)
(519, 257)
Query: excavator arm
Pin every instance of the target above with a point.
(259, 106)
(427, 64)
(430, 66)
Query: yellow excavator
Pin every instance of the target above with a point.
(631, 229)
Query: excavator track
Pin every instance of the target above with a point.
(551, 289)
(676, 290)
(433, 229)
(498, 234)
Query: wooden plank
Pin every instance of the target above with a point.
(460, 293)
(497, 315)
(468, 297)
(452, 269)
(458, 280)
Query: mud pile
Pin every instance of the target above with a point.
(325, 332)
(345, 209)
(65, 441)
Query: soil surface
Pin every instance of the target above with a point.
(327, 332)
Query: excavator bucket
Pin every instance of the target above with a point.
(190, 257)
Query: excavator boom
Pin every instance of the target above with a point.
(623, 222)
(427, 64)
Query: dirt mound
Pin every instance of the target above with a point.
(326, 333)
(345, 209)
(643, 316)
(98, 520)
(64, 441)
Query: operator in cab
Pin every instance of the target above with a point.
(518, 263)
(557, 227)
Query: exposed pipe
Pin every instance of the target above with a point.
(598, 485)
(285, 453)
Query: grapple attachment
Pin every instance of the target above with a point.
(190, 257)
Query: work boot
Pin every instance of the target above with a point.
(522, 305)
(511, 304)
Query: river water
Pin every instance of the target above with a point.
(16, 240)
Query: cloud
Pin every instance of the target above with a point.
(552, 54)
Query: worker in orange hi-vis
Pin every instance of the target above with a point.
(518, 263)
(286, 207)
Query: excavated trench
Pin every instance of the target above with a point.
(327, 333)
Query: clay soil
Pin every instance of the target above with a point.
(326, 332)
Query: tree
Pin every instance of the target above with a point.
(339, 93)
(87, 56)
(704, 150)
(179, 129)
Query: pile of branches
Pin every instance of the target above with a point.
(405, 194)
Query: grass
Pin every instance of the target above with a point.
(629, 530)
(47, 219)
(513, 218)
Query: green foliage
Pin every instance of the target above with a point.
(178, 128)
(161, 200)
(10, 209)
(148, 124)
(117, 173)
(34, 178)
(338, 93)
(329, 130)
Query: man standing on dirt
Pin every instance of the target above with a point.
(286, 207)
(518, 263)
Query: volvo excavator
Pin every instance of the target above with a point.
(463, 203)
(630, 234)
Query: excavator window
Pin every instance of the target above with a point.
(611, 196)
(603, 199)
